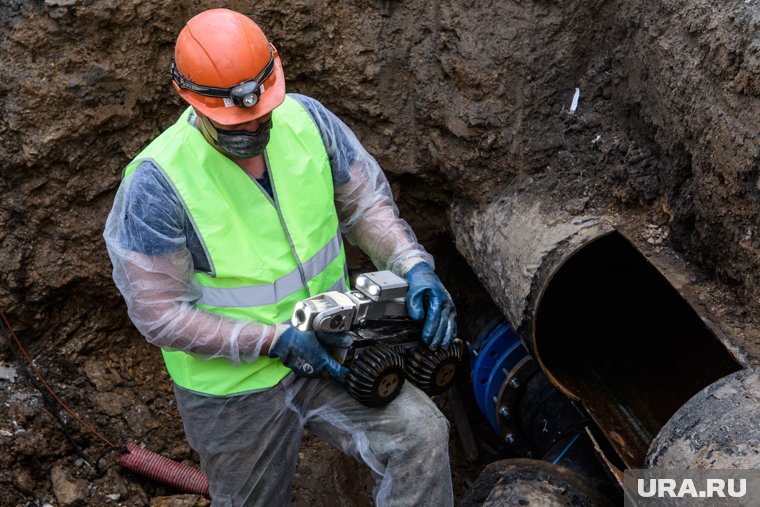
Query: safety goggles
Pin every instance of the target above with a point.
(245, 94)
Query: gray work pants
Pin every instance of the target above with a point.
(248, 445)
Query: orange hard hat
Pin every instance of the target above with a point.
(225, 67)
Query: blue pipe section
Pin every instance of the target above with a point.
(494, 353)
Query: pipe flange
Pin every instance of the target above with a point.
(506, 403)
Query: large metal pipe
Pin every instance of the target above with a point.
(608, 325)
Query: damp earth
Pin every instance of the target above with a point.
(461, 102)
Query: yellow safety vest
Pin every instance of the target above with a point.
(265, 254)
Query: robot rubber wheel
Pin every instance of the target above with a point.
(376, 375)
(433, 371)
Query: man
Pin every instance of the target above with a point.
(225, 221)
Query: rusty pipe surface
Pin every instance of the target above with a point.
(601, 319)
(515, 245)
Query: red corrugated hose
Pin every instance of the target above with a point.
(159, 468)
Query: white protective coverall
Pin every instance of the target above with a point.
(248, 444)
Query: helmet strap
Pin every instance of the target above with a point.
(245, 94)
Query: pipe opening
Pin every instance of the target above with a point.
(612, 332)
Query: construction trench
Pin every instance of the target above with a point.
(614, 230)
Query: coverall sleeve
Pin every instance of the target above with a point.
(153, 268)
(368, 214)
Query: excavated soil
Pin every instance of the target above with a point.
(460, 101)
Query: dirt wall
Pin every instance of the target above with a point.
(459, 100)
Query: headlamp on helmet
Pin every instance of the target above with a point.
(245, 94)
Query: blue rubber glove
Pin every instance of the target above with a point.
(427, 298)
(330, 340)
(302, 353)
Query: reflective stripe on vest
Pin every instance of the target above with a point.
(267, 294)
(265, 254)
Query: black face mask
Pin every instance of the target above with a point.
(241, 143)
